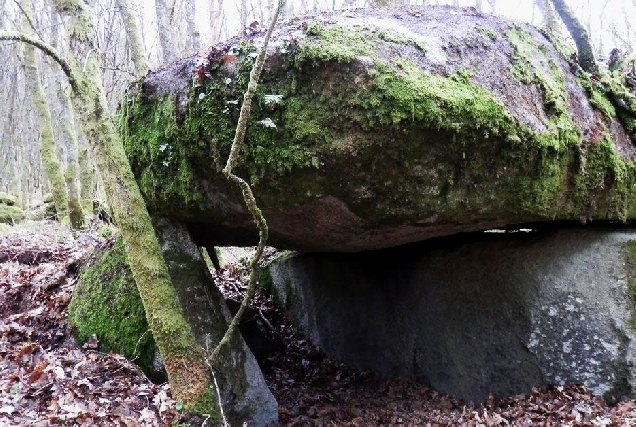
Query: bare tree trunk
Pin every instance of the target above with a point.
(549, 17)
(243, 13)
(75, 211)
(137, 51)
(194, 36)
(165, 15)
(478, 5)
(216, 19)
(493, 6)
(579, 34)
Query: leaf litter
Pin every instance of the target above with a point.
(47, 379)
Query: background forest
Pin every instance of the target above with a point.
(171, 29)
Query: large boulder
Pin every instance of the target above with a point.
(378, 127)
(472, 316)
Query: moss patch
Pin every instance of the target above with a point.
(106, 302)
(10, 214)
(7, 199)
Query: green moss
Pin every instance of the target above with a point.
(394, 37)
(531, 65)
(10, 214)
(7, 199)
(335, 44)
(488, 32)
(106, 302)
(206, 403)
(597, 95)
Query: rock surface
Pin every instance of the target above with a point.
(375, 127)
(244, 393)
(500, 314)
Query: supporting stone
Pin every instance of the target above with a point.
(244, 392)
(499, 315)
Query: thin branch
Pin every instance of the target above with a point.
(44, 47)
(28, 17)
(248, 196)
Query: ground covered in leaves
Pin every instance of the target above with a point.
(47, 379)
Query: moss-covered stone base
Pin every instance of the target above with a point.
(106, 303)
(10, 214)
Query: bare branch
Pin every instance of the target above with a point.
(248, 197)
(44, 47)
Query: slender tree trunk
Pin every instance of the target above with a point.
(184, 360)
(243, 13)
(165, 27)
(194, 36)
(137, 51)
(75, 211)
(216, 19)
(549, 17)
(86, 175)
(478, 5)
(579, 34)
(48, 150)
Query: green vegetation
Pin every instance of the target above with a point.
(106, 302)
(7, 199)
(488, 32)
(10, 214)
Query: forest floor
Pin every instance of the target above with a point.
(48, 379)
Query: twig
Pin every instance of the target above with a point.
(216, 384)
(248, 196)
(46, 48)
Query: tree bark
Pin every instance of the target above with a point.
(194, 37)
(75, 210)
(137, 51)
(549, 17)
(86, 174)
(165, 13)
(48, 150)
(216, 19)
(579, 34)
(184, 360)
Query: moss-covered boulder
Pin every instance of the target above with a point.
(106, 303)
(8, 199)
(380, 127)
(10, 214)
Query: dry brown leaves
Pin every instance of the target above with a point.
(45, 378)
